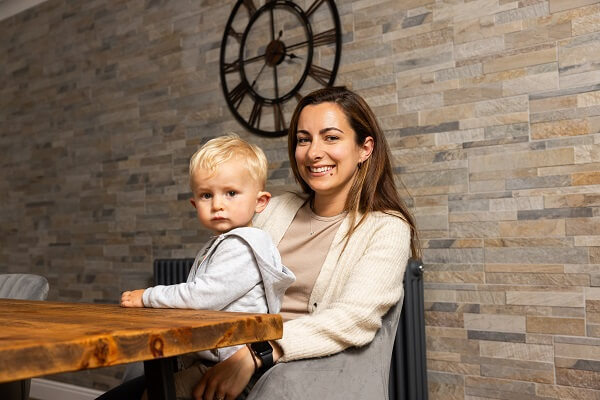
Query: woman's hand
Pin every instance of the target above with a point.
(227, 379)
(132, 298)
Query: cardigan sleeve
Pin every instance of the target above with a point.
(369, 282)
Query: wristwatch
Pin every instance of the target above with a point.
(264, 351)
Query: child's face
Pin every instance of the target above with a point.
(227, 198)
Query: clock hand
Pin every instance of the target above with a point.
(259, 57)
(259, 72)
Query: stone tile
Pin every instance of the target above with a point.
(497, 323)
(542, 56)
(583, 226)
(516, 160)
(588, 99)
(567, 392)
(517, 351)
(532, 228)
(559, 326)
(472, 94)
(586, 24)
(518, 374)
(530, 84)
(453, 367)
(571, 83)
(553, 103)
(547, 33)
(474, 29)
(527, 268)
(545, 130)
(585, 178)
(497, 336)
(556, 299)
(538, 279)
(478, 48)
(578, 378)
(502, 106)
(561, 5)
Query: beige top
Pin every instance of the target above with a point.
(358, 283)
(303, 249)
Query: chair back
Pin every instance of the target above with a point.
(356, 373)
(23, 287)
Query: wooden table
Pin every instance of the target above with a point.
(42, 337)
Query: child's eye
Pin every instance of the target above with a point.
(231, 193)
(205, 196)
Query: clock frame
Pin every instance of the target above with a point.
(282, 43)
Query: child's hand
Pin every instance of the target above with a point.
(132, 298)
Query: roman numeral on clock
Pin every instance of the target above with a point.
(320, 74)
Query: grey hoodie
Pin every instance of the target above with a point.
(239, 270)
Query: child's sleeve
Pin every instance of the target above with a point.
(230, 274)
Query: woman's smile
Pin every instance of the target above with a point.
(326, 148)
(317, 170)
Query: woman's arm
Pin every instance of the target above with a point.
(229, 377)
(366, 282)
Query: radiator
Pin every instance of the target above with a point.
(408, 371)
(172, 271)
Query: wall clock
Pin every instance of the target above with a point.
(272, 53)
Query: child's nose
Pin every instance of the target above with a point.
(217, 203)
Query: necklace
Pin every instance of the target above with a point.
(311, 231)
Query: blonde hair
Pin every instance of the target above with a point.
(224, 148)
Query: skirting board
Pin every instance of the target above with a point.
(44, 389)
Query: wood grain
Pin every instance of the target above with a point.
(40, 338)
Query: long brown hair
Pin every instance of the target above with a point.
(373, 188)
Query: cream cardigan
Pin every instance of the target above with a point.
(353, 290)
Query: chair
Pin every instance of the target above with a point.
(21, 287)
(399, 375)
(362, 373)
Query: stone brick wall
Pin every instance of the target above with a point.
(492, 110)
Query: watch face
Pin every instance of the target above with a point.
(261, 347)
(272, 53)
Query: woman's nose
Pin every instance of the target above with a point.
(314, 150)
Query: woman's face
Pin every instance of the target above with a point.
(326, 151)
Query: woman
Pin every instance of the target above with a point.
(344, 240)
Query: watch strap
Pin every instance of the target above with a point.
(264, 351)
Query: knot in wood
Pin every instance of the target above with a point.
(101, 351)
(156, 346)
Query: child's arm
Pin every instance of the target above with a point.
(132, 298)
(231, 274)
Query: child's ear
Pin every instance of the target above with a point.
(193, 202)
(262, 199)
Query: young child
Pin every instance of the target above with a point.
(239, 269)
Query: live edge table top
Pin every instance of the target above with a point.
(42, 337)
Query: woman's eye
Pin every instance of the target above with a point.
(331, 138)
(302, 140)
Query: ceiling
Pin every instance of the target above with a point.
(8, 8)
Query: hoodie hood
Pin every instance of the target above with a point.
(276, 276)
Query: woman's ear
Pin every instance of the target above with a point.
(366, 148)
(262, 199)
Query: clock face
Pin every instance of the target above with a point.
(272, 53)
